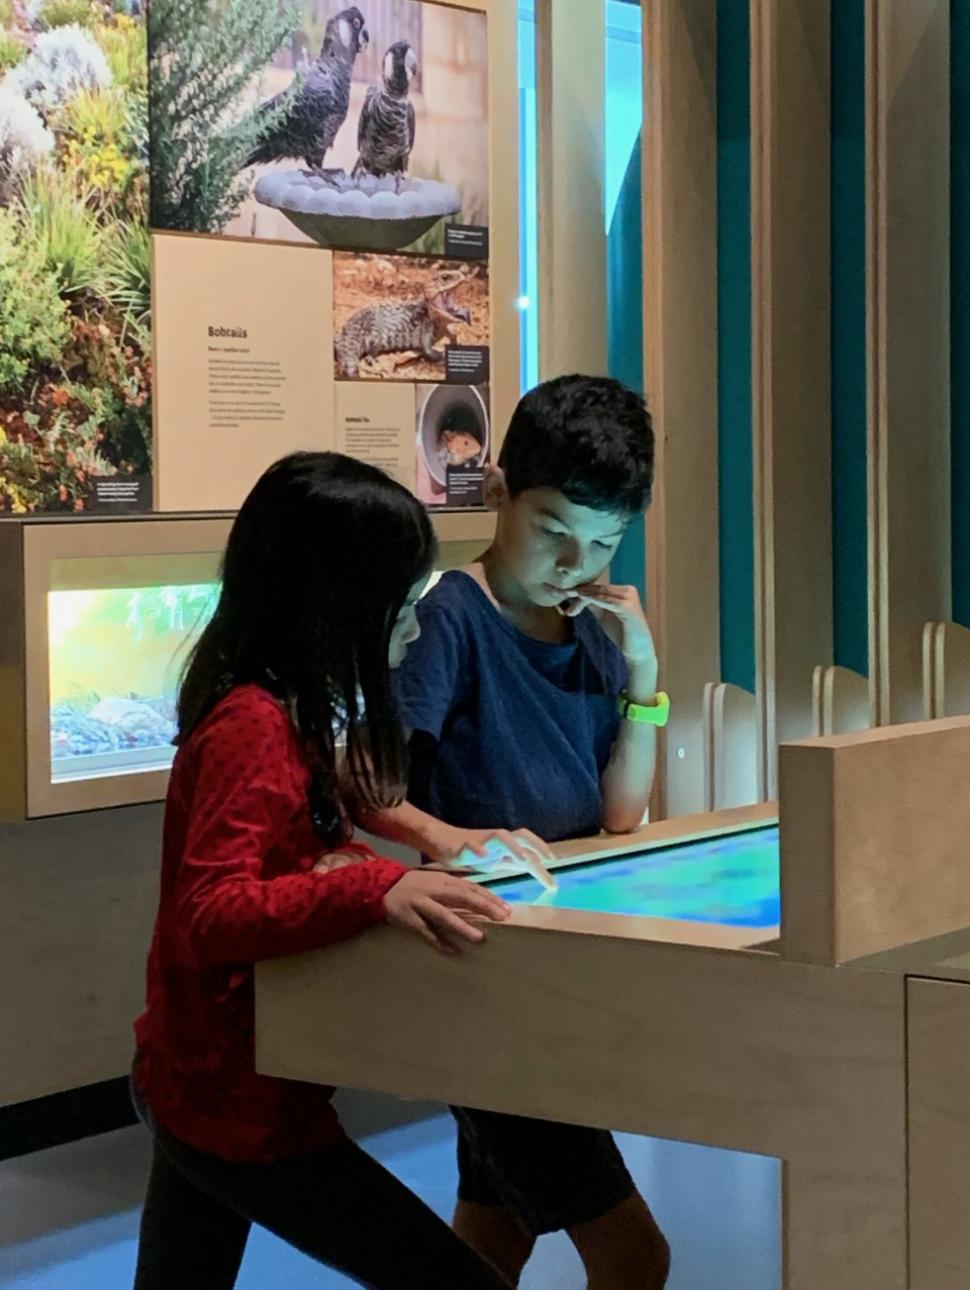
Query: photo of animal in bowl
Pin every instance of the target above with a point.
(453, 443)
(349, 125)
(396, 316)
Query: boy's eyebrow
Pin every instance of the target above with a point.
(551, 515)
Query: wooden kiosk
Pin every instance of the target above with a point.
(840, 1045)
(792, 1046)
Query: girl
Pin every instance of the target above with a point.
(322, 572)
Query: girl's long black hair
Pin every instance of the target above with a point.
(318, 565)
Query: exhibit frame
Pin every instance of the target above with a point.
(27, 551)
(502, 262)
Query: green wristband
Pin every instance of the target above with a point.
(648, 714)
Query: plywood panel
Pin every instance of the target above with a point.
(737, 1050)
(680, 371)
(840, 701)
(732, 747)
(791, 325)
(949, 674)
(79, 899)
(571, 94)
(938, 1041)
(929, 671)
(873, 839)
(908, 298)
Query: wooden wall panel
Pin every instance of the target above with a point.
(791, 326)
(909, 356)
(840, 701)
(680, 374)
(732, 747)
(571, 95)
(946, 670)
(938, 1041)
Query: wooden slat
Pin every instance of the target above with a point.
(571, 109)
(731, 747)
(908, 359)
(791, 261)
(840, 701)
(950, 670)
(680, 367)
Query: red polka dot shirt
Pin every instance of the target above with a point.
(237, 886)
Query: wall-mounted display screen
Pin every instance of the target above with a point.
(119, 631)
(115, 658)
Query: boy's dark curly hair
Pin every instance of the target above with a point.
(589, 437)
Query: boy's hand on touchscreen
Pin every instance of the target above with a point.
(505, 852)
(437, 906)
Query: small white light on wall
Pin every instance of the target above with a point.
(523, 303)
(681, 754)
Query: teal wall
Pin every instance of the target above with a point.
(849, 478)
(735, 446)
(625, 332)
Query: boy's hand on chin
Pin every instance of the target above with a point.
(621, 616)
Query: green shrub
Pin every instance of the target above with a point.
(33, 317)
(125, 46)
(100, 116)
(64, 13)
(203, 59)
(64, 230)
(12, 52)
(128, 273)
(54, 470)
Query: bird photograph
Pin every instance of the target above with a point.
(303, 121)
(290, 110)
(385, 135)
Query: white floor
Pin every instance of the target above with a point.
(69, 1217)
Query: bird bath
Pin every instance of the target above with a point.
(367, 213)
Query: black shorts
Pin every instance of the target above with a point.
(551, 1176)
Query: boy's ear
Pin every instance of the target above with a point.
(496, 491)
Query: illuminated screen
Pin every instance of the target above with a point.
(115, 655)
(731, 879)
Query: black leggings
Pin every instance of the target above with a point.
(338, 1206)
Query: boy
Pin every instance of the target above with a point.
(532, 698)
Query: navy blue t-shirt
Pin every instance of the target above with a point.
(508, 732)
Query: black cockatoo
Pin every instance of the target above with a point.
(317, 109)
(385, 135)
